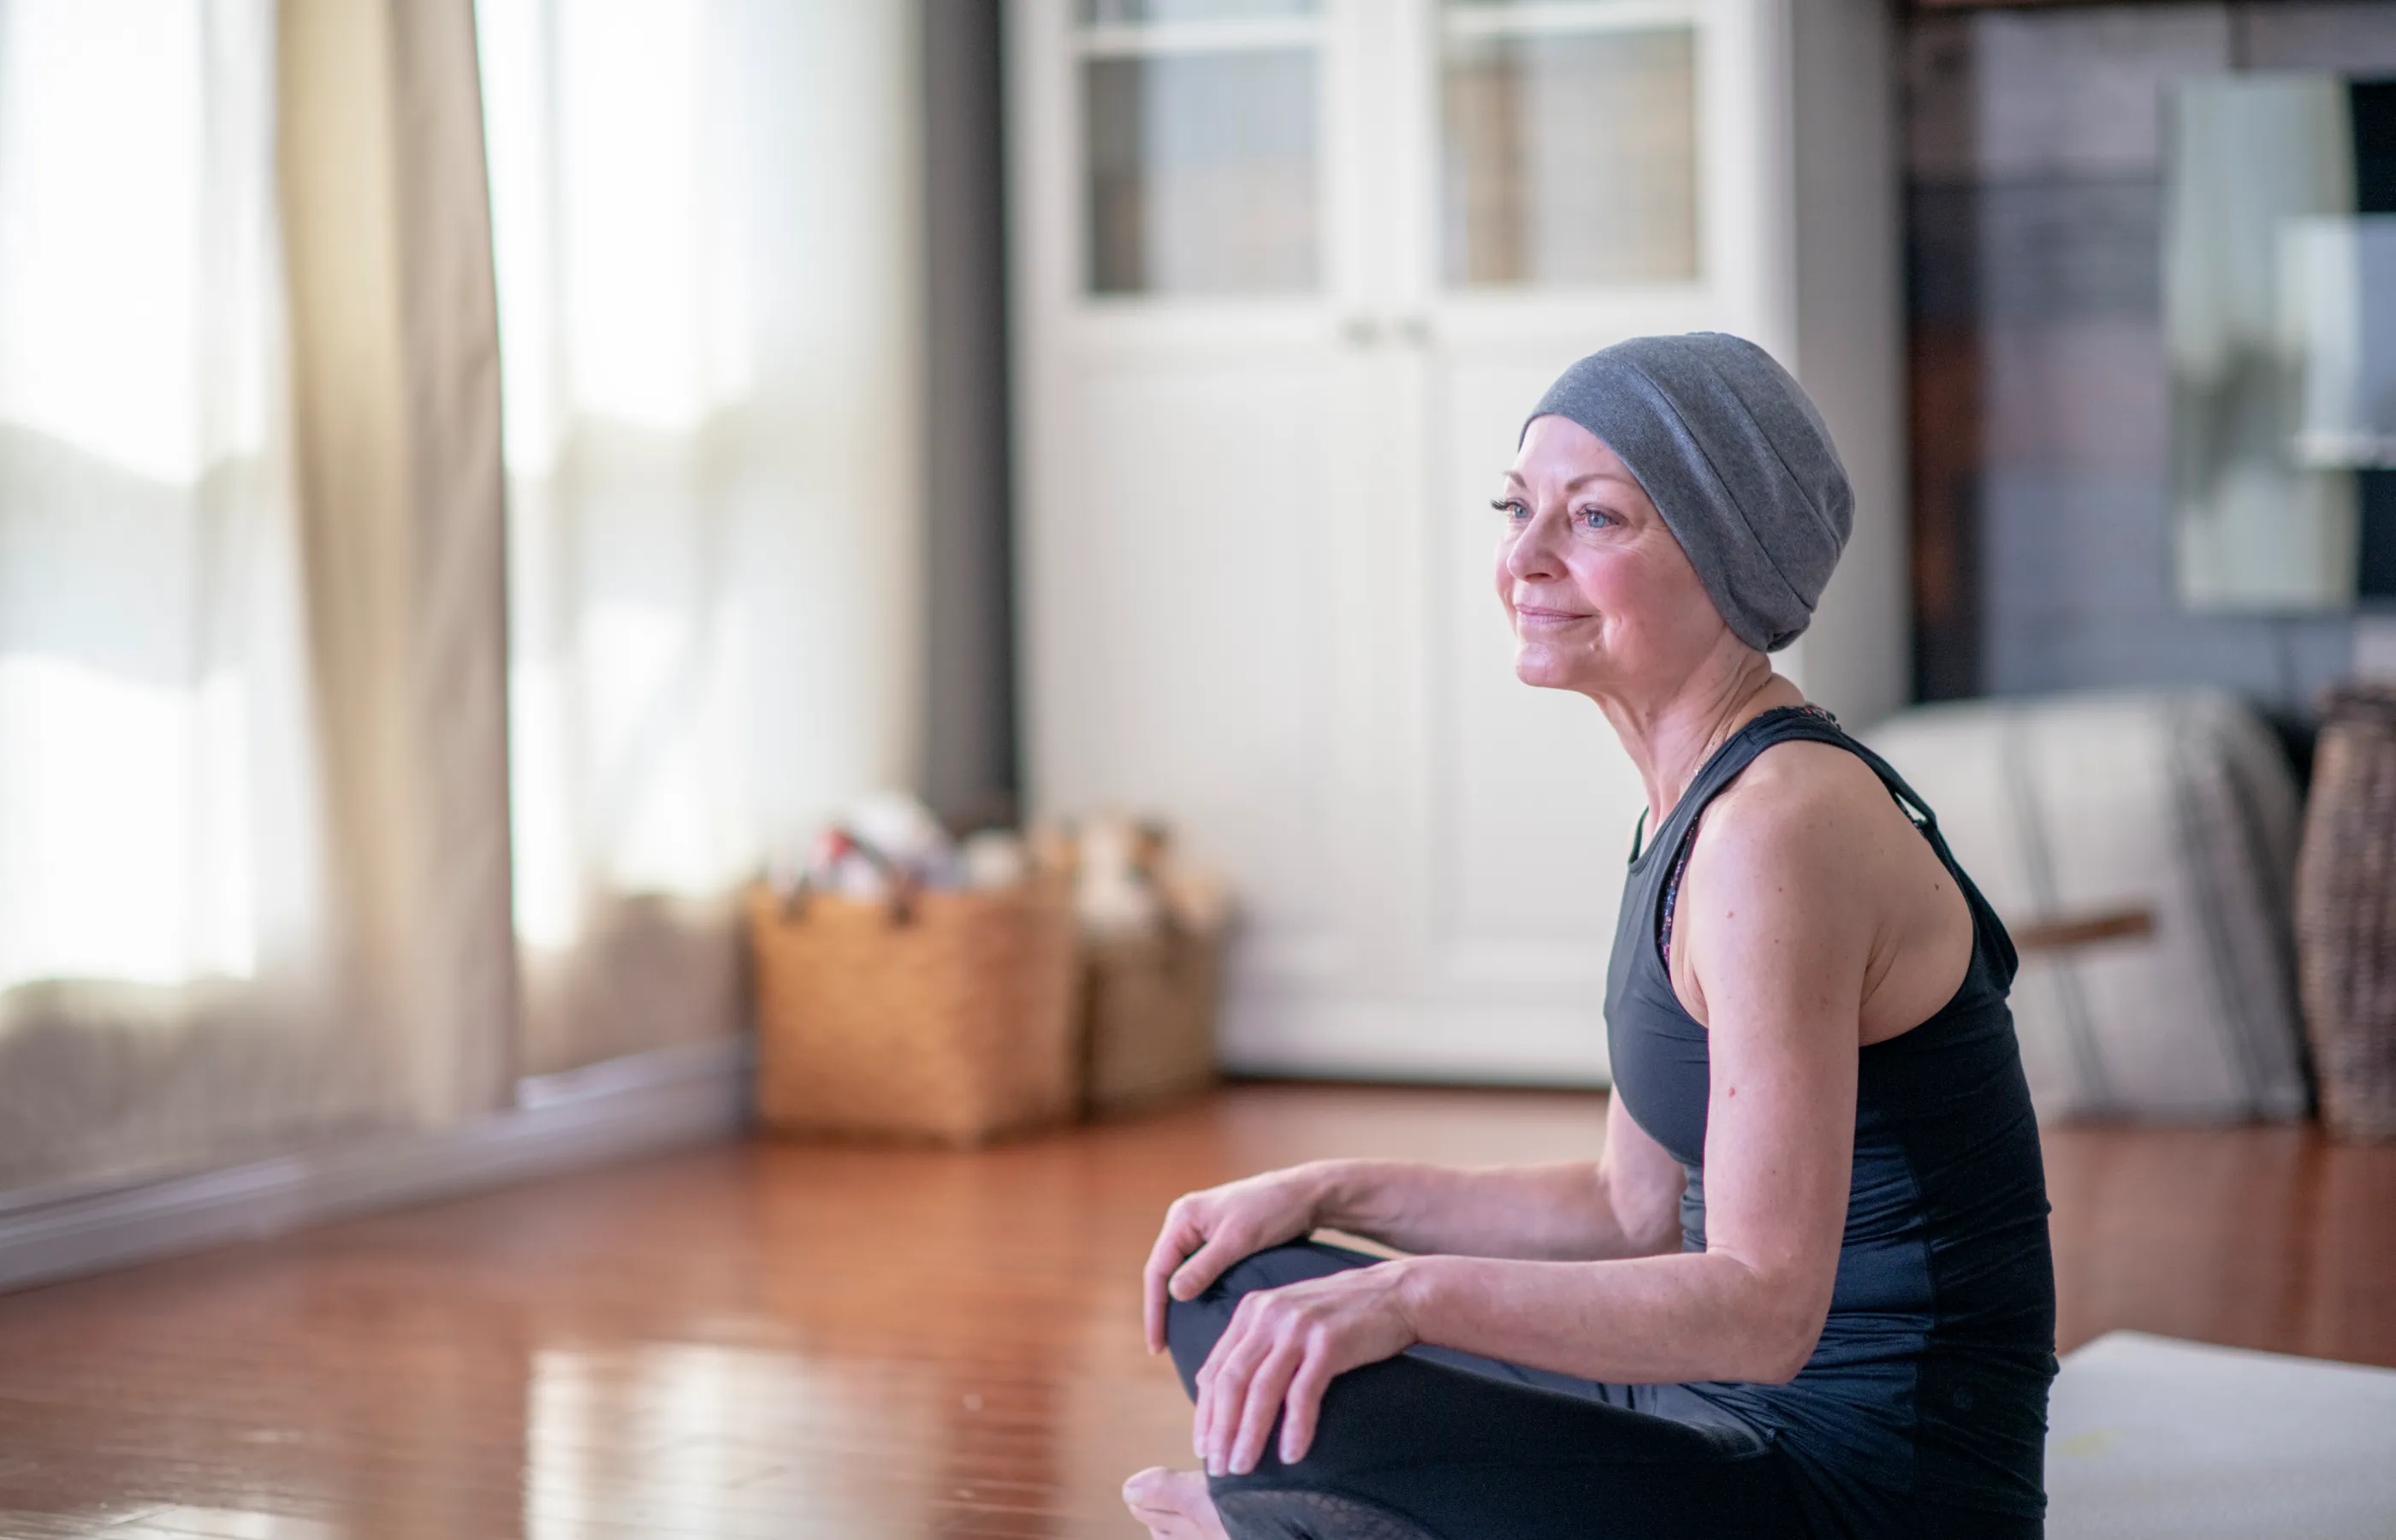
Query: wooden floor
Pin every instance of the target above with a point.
(792, 1341)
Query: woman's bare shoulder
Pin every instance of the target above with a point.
(1808, 822)
(1798, 792)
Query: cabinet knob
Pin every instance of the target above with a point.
(1360, 331)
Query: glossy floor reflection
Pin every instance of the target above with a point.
(807, 1341)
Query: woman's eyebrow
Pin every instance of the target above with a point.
(1576, 483)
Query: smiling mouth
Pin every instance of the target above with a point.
(1539, 615)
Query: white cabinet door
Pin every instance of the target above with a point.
(1570, 190)
(1192, 425)
(1288, 274)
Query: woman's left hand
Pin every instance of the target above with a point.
(1283, 1346)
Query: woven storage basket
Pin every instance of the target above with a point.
(950, 1018)
(1149, 1007)
(2346, 913)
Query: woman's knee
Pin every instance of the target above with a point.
(1192, 1329)
(1192, 1326)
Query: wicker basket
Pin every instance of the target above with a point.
(950, 1016)
(2346, 913)
(1149, 1008)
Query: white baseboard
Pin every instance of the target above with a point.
(1437, 1041)
(650, 1102)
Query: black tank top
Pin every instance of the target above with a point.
(1930, 1379)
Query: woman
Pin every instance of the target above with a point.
(1807, 1288)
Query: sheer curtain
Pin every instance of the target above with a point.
(168, 972)
(706, 225)
(329, 798)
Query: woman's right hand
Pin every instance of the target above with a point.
(1206, 1232)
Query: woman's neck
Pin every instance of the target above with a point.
(1671, 735)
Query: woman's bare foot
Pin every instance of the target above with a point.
(1174, 1504)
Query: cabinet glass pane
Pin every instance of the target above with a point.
(1201, 172)
(1571, 159)
(1115, 13)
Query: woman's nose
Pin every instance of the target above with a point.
(1533, 554)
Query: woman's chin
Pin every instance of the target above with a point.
(1540, 666)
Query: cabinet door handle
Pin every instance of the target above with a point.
(1415, 331)
(1360, 331)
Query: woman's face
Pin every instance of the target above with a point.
(1602, 597)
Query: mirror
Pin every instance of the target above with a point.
(2279, 334)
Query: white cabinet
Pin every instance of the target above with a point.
(1286, 275)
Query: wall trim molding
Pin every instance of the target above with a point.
(1279, 1034)
(667, 1099)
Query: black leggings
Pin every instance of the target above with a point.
(1441, 1445)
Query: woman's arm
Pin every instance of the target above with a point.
(1779, 917)
(1627, 1203)
(1777, 944)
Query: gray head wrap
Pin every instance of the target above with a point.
(1736, 460)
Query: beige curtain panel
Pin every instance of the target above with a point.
(396, 358)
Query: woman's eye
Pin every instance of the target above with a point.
(1593, 518)
(1513, 508)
